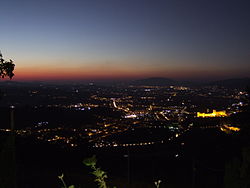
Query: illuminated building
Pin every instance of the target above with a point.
(213, 114)
(229, 129)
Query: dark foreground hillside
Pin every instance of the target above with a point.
(200, 161)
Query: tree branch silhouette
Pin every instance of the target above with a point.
(6, 67)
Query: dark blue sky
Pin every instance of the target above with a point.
(78, 39)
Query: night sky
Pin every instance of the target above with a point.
(126, 39)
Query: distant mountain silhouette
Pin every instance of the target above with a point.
(17, 83)
(12, 83)
(155, 81)
(233, 83)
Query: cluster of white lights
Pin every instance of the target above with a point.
(125, 145)
(100, 145)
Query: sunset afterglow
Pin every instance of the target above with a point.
(79, 40)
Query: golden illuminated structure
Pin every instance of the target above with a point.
(228, 129)
(213, 114)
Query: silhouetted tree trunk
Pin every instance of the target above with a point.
(7, 147)
(8, 163)
(237, 170)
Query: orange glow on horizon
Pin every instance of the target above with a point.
(27, 74)
(53, 72)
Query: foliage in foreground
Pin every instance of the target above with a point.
(99, 174)
(63, 182)
(6, 67)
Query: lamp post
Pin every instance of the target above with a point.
(12, 123)
(193, 172)
(128, 165)
(12, 148)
